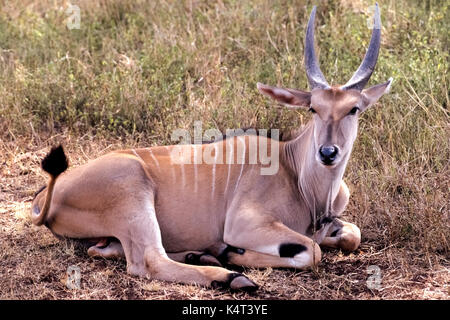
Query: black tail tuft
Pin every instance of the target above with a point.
(55, 162)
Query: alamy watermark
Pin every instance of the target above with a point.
(73, 280)
(239, 147)
(373, 282)
(74, 16)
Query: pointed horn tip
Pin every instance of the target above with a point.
(388, 88)
(376, 17)
(376, 8)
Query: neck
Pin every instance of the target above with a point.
(317, 184)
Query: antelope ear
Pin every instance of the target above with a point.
(289, 97)
(372, 94)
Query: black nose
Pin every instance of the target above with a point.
(328, 154)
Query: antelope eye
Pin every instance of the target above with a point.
(353, 111)
(312, 110)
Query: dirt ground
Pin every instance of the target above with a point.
(34, 263)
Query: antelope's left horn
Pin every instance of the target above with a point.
(316, 78)
(362, 75)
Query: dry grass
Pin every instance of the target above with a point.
(136, 70)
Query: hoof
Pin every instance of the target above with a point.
(202, 260)
(236, 281)
(112, 249)
(208, 260)
(244, 284)
(93, 252)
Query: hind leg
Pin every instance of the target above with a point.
(163, 268)
(139, 233)
(114, 250)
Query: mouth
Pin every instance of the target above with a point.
(328, 163)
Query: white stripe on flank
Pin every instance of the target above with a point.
(239, 178)
(213, 180)
(242, 139)
(230, 161)
(195, 169)
(137, 155)
(214, 171)
(154, 158)
(182, 175)
(173, 173)
(242, 166)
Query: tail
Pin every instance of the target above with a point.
(54, 163)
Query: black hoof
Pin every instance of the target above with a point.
(236, 281)
(203, 259)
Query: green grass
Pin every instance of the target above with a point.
(137, 70)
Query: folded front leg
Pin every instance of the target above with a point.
(343, 235)
(268, 243)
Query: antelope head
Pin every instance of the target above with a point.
(335, 108)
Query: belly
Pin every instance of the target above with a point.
(188, 222)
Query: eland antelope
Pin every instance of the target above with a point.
(183, 220)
